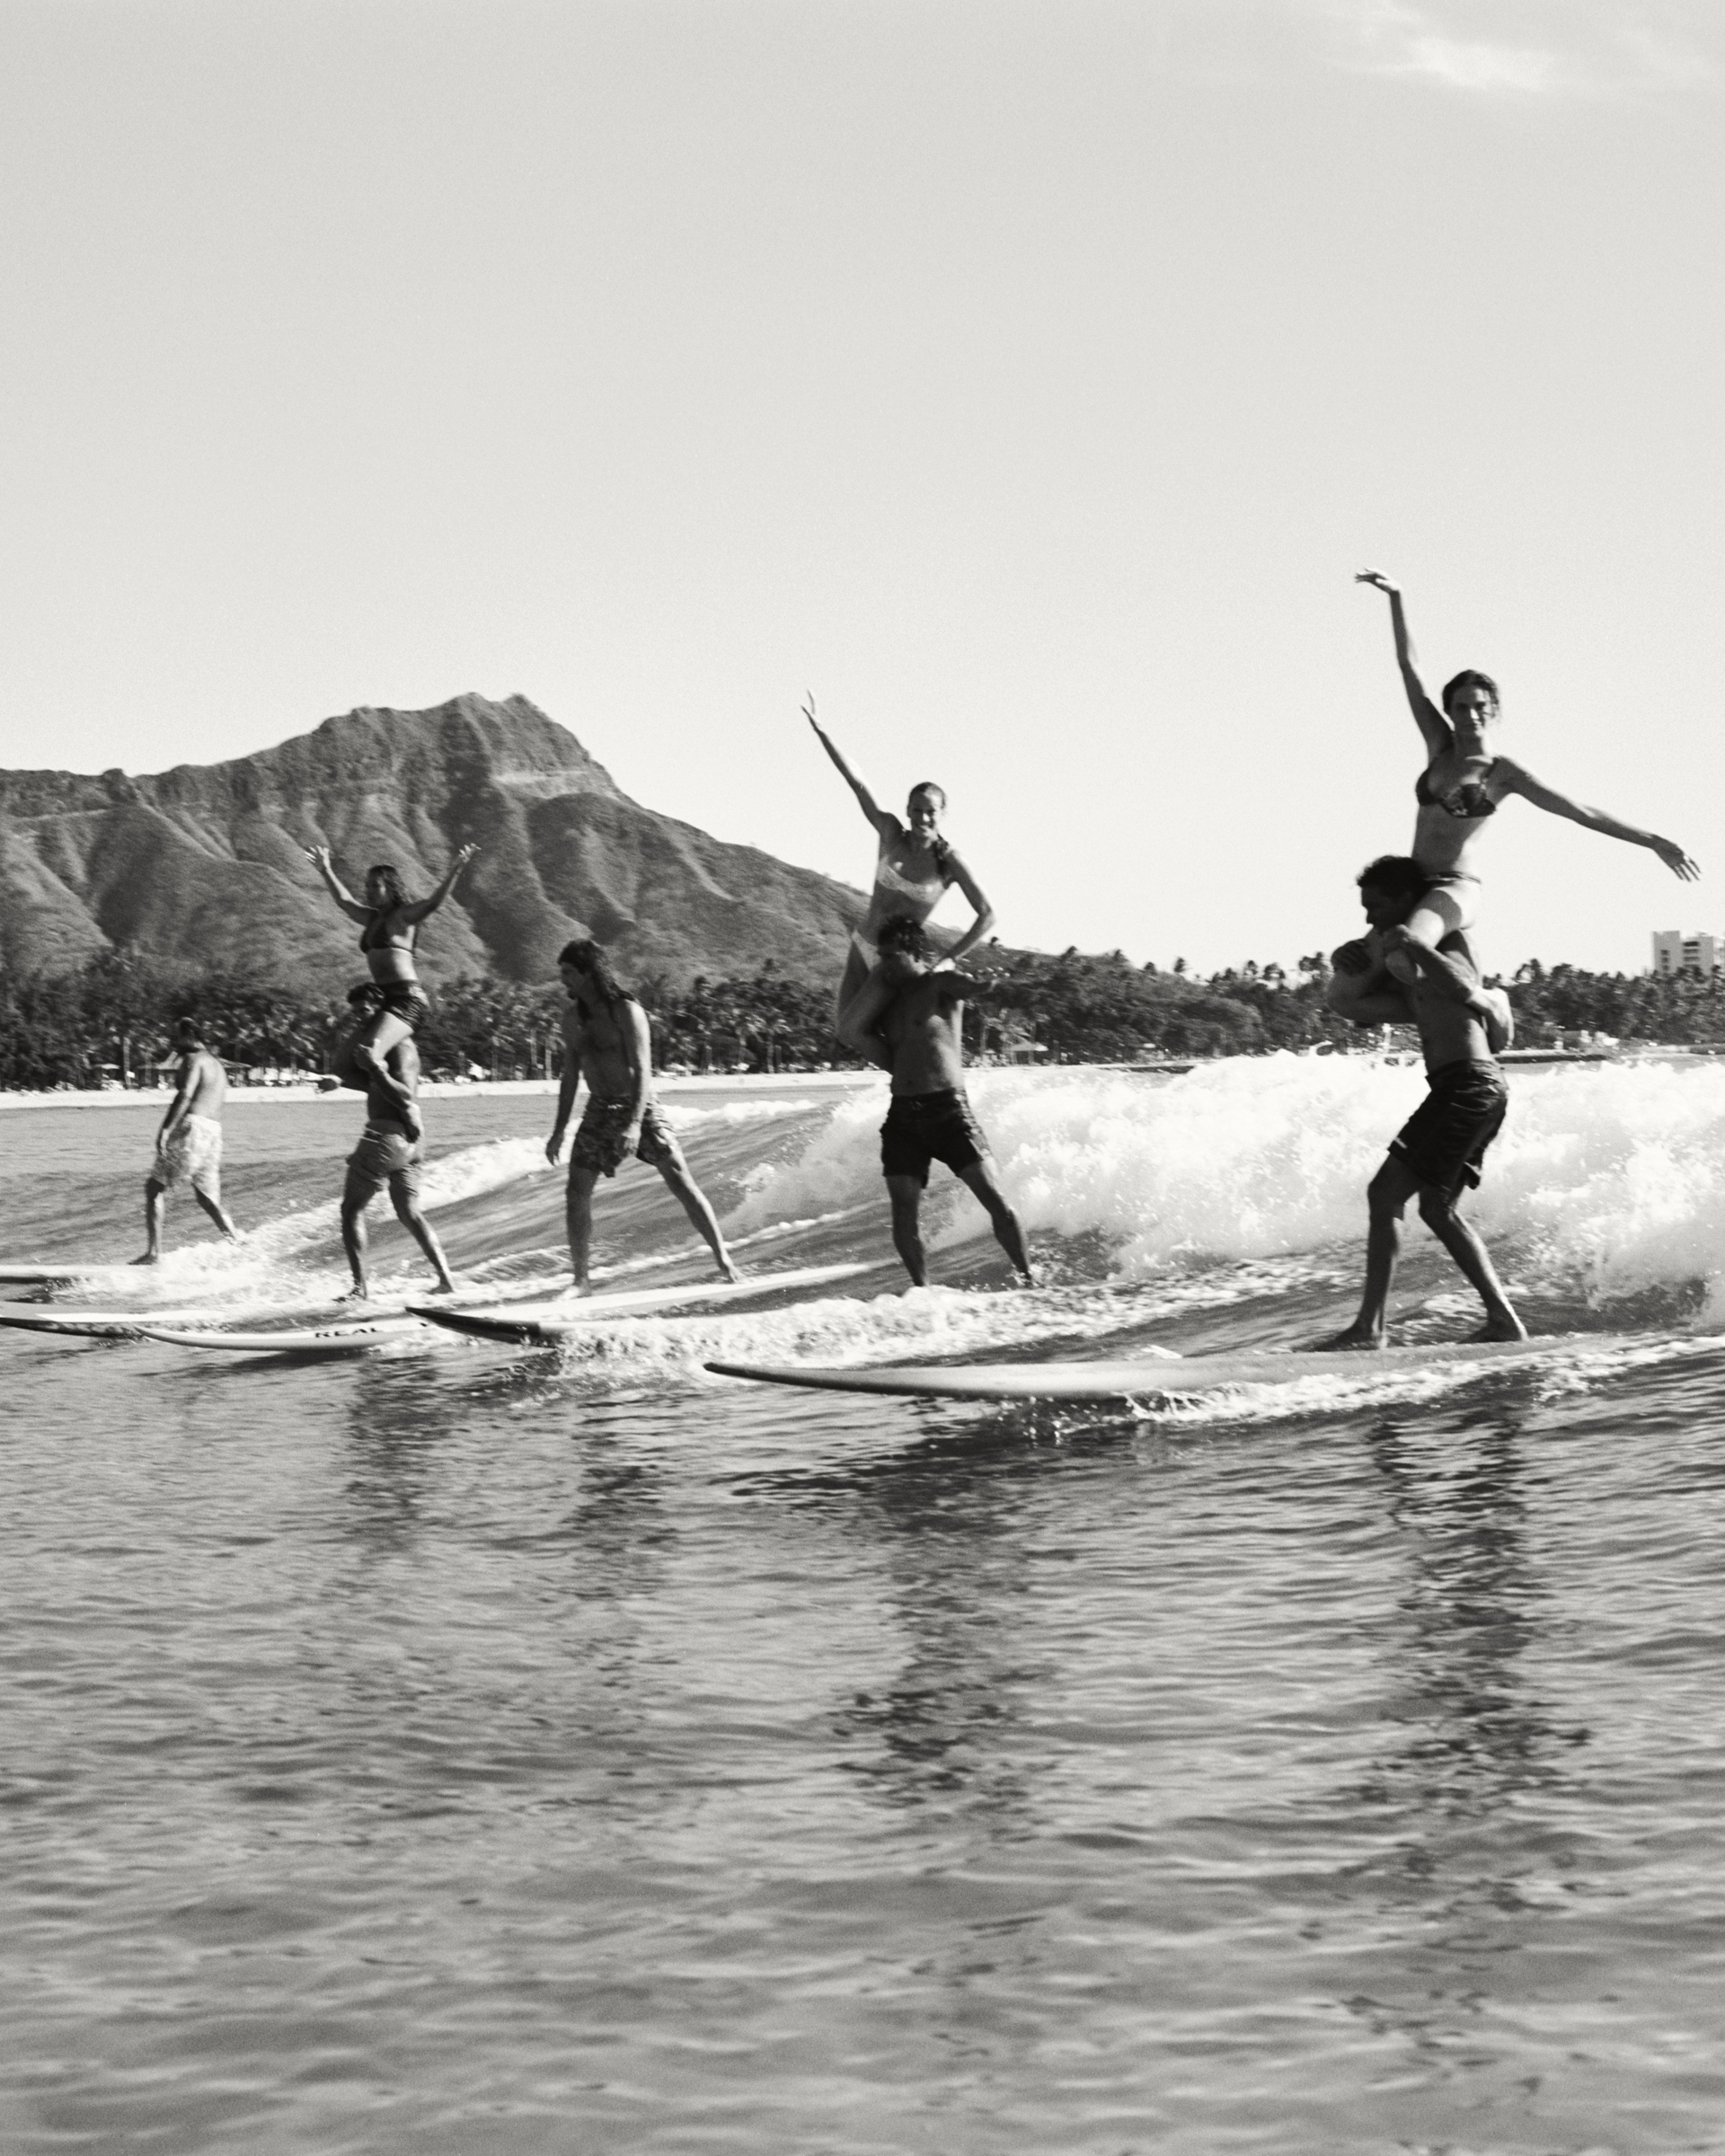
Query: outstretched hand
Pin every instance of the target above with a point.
(465, 854)
(809, 713)
(1375, 577)
(1677, 861)
(319, 857)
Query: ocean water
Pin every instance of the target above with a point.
(462, 1748)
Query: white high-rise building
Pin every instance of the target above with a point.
(1674, 952)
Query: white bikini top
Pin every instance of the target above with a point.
(889, 878)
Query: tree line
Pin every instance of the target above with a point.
(107, 1022)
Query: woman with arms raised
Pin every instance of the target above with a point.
(913, 871)
(1465, 781)
(389, 924)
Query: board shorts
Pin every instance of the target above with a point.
(386, 1155)
(921, 1127)
(1444, 1140)
(601, 1137)
(193, 1155)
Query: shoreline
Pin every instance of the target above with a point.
(763, 1082)
(158, 1096)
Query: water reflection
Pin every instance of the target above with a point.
(1467, 1857)
(951, 1521)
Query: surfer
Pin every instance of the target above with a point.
(389, 925)
(189, 1144)
(389, 1153)
(919, 1037)
(606, 1041)
(1464, 783)
(913, 871)
(1436, 1153)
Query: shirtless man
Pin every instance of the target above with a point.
(390, 1152)
(1438, 1152)
(919, 1039)
(189, 1144)
(605, 1041)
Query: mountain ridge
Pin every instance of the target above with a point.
(204, 864)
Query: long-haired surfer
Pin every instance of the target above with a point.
(389, 923)
(915, 867)
(1436, 1153)
(1465, 781)
(606, 1041)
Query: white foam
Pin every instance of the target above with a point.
(1613, 1175)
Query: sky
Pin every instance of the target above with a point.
(1025, 378)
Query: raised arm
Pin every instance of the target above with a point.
(420, 907)
(320, 859)
(1554, 803)
(885, 823)
(1450, 973)
(1434, 728)
(973, 891)
(1360, 991)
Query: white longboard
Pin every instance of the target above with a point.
(92, 1324)
(40, 1274)
(1173, 1377)
(351, 1338)
(541, 1324)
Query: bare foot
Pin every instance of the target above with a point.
(728, 1271)
(1508, 1327)
(446, 1287)
(357, 1292)
(149, 1257)
(1355, 1338)
(1028, 1280)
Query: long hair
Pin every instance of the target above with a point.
(397, 896)
(587, 957)
(1470, 677)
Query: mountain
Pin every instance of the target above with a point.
(204, 864)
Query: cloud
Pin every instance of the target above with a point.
(1527, 48)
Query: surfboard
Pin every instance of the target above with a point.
(89, 1324)
(350, 1339)
(544, 1323)
(1173, 1377)
(39, 1274)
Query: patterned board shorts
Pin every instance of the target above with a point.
(1443, 1141)
(386, 1154)
(193, 1155)
(600, 1137)
(922, 1127)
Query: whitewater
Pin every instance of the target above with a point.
(469, 1748)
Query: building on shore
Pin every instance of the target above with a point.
(1674, 952)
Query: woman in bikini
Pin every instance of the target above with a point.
(389, 924)
(913, 871)
(1462, 784)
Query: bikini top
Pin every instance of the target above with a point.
(889, 878)
(1467, 803)
(375, 936)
